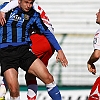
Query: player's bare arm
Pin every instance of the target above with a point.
(90, 64)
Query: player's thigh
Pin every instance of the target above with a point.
(46, 56)
(39, 69)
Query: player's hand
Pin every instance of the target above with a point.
(2, 18)
(61, 57)
(91, 68)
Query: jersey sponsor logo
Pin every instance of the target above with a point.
(15, 17)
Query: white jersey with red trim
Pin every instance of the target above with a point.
(96, 41)
(44, 16)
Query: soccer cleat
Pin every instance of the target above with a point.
(2, 98)
(94, 97)
(33, 98)
(95, 91)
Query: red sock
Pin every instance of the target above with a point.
(95, 91)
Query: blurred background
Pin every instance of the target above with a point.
(74, 25)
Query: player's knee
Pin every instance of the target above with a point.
(49, 79)
(14, 90)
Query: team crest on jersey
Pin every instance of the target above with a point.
(26, 17)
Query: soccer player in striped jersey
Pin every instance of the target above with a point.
(42, 48)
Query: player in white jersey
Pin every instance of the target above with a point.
(32, 85)
(95, 91)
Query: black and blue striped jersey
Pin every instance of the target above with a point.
(18, 26)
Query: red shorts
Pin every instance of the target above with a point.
(41, 47)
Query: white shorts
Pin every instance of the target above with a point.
(96, 41)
